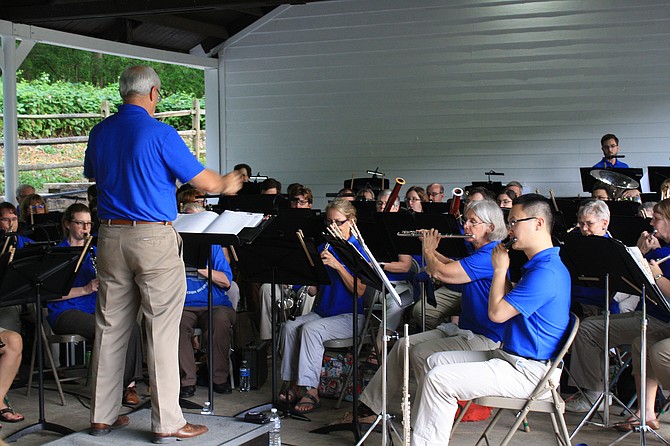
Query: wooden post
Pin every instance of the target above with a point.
(104, 109)
(196, 127)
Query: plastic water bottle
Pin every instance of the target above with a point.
(275, 428)
(245, 384)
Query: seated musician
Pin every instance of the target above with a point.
(478, 193)
(505, 199)
(536, 318)
(365, 194)
(302, 339)
(472, 330)
(414, 197)
(32, 204)
(191, 195)
(586, 364)
(270, 186)
(601, 192)
(515, 186)
(347, 194)
(11, 347)
(10, 317)
(447, 296)
(435, 192)
(609, 144)
(301, 198)
(195, 314)
(75, 313)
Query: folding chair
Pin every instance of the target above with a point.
(555, 406)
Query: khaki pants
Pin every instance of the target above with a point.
(139, 267)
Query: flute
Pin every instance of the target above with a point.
(421, 233)
(661, 260)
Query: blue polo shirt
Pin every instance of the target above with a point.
(85, 303)
(542, 297)
(196, 287)
(335, 298)
(607, 164)
(22, 241)
(475, 299)
(655, 311)
(136, 161)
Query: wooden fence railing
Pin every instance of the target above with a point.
(195, 133)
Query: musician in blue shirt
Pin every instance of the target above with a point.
(536, 318)
(302, 339)
(610, 146)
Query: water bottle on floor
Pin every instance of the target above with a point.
(245, 384)
(275, 428)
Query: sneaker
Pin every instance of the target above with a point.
(578, 402)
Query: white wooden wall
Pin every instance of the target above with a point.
(438, 90)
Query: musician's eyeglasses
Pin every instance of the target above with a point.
(337, 222)
(473, 223)
(160, 96)
(412, 199)
(587, 223)
(37, 206)
(435, 194)
(513, 222)
(303, 202)
(82, 224)
(9, 219)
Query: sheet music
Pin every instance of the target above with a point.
(208, 222)
(636, 254)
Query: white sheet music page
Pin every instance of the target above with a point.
(208, 222)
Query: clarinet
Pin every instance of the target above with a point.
(91, 253)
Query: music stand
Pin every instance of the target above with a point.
(657, 174)
(584, 258)
(36, 273)
(284, 261)
(265, 204)
(200, 245)
(588, 181)
(47, 227)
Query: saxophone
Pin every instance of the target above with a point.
(406, 428)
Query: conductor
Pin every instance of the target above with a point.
(136, 161)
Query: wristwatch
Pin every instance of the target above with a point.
(658, 276)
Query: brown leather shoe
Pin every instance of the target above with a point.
(188, 431)
(130, 396)
(98, 429)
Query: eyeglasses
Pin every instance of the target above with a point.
(9, 219)
(504, 201)
(587, 223)
(412, 199)
(473, 223)
(160, 96)
(337, 222)
(303, 202)
(82, 224)
(435, 194)
(513, 222)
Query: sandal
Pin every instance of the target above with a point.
(633, 422)
(292, 396)
(310, 406)
(9, 410)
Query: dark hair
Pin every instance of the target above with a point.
(8, 206)
(304, 191)
(243, 166)
(291, 187)
(509, 192)
(536, 205)
(607, 137)
(487, 194)
(271, 183)
(68, 215)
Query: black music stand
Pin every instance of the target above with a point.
(264, 204)
(657, 174)
(200, 248)
(588, 181)
(606, 263)
(362, 270)
(281, 261)
(47, 227)
(34, 274)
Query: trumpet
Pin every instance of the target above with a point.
(421, 233)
